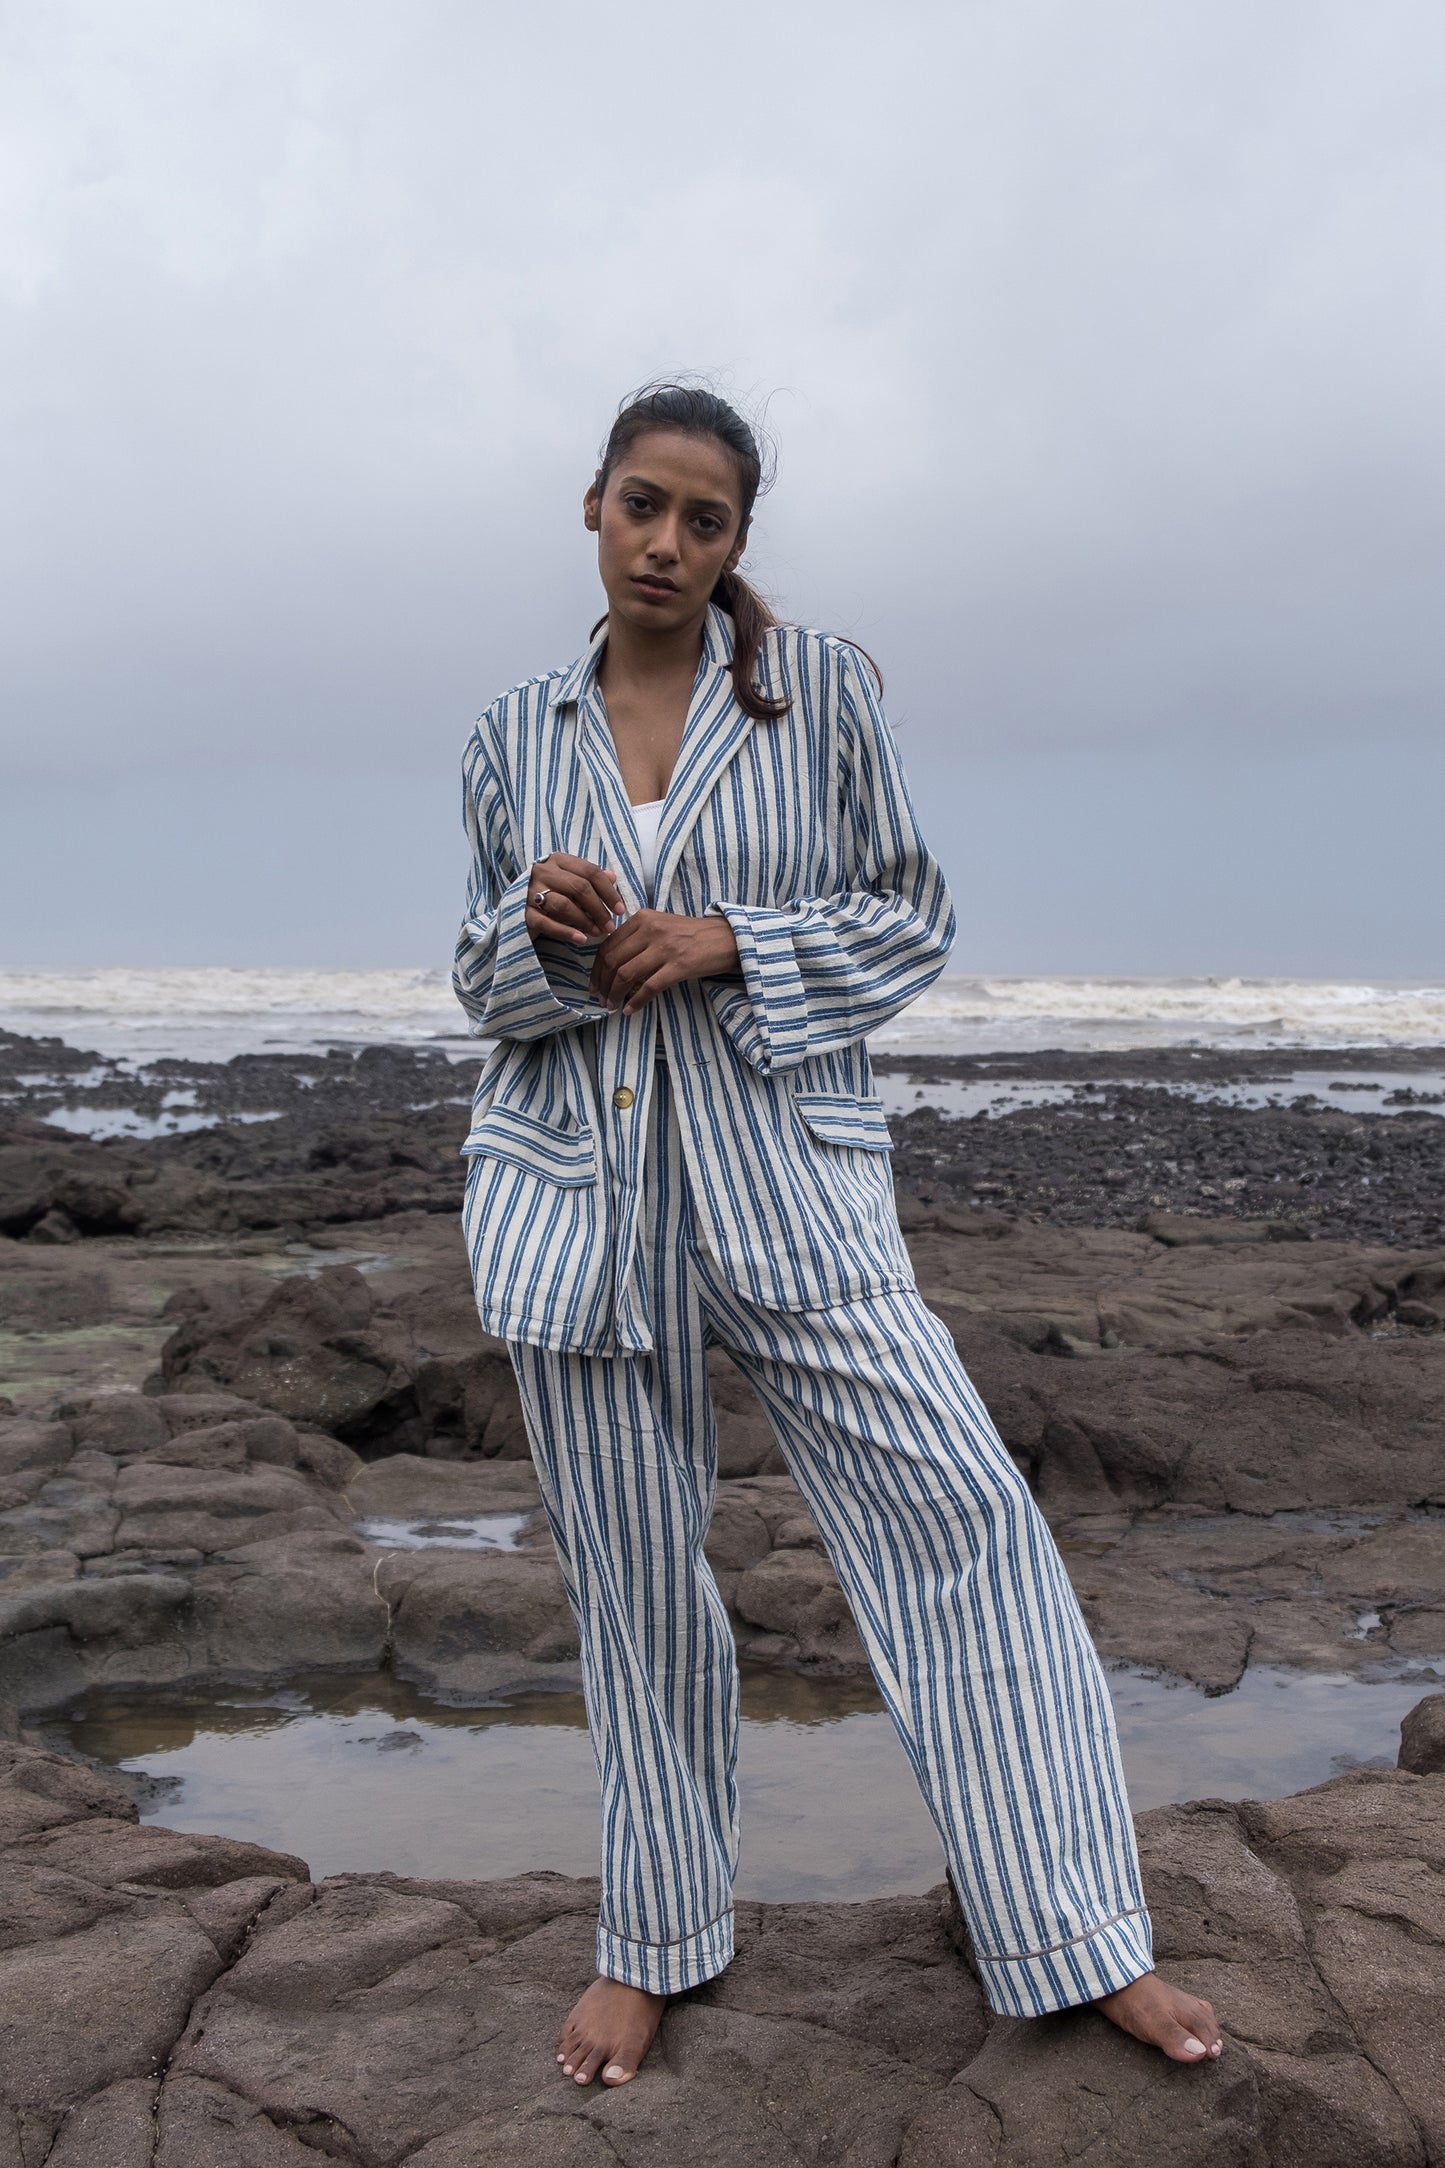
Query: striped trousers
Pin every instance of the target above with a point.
(958, 1591)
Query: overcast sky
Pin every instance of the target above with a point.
(1103, 347)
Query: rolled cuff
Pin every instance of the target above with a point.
(1032, 1984)
(768, 1020)
(667, 1968)
(510, 991)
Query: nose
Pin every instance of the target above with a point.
(662, 545)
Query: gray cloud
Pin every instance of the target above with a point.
(1104, 348)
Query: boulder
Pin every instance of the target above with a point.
(466, 1622)
(1422, 1737)
(1284, 1421)
(414, 1372)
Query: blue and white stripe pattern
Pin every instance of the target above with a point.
(802, 834)
(958, 1591)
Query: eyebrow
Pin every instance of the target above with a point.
(698, 504)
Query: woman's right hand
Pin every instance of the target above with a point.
(570, 899)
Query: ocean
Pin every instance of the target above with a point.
(141, 1016)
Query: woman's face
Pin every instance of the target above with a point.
(668, 522)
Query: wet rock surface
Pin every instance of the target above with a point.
(1180, 1408)
(361, 1134)
(200, 2003)
(1132, 1145)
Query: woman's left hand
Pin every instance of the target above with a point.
(658, 949)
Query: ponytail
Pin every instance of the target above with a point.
(752, 621)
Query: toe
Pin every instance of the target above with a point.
(1204, 2026)
(1182, 2044)
(586, 2070)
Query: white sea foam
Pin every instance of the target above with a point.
(968, 1015)
(210, 1015)
(140, 1015)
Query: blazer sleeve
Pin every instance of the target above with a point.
(508, 988)
(828, 970)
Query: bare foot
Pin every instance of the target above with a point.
(610, 2030)
(1165, 2017)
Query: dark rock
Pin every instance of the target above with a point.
(1422, 1737)
(33, 1445)
(286, 1603)
(477, 1623)
(55, 1226)
(1286, 1419)
(794, 1592)
(115, 2128)
(131, 1609)
(417, 1374)
(42, 1790)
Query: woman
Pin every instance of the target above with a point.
(698, 885)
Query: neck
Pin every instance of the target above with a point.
(636, 656)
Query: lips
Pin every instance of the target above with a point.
(659, 588)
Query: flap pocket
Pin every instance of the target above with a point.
(840, 1119)
(564, 1156)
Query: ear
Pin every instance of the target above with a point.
(735, 554)
(592, 505)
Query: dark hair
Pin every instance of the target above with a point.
(698, 412)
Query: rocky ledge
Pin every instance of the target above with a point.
(1237, 1442)
(247, 1373)
(174, 2001)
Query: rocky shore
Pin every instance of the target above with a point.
(230, 1353)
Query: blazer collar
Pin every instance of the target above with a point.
(715, 730)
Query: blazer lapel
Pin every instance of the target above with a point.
(715, 731)
(617, 835)
(615, 824)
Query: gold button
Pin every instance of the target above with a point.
(623, 1096)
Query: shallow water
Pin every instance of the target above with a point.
(1420, 1091)
(447, 1532)
(357, 1774)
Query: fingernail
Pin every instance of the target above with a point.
(579, 937)
(1193, 2047)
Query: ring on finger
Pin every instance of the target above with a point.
(539, 900)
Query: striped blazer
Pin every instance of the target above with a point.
(802, 834)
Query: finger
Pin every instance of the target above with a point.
(539, 924)
(615, 950)
(572, 899)
(559, 910)
(602, 883)
(650, 988)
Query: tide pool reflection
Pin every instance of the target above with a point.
(359, 1773)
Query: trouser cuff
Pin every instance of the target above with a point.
(667, 1968)
(1094, 1964)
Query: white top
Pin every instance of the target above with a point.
(645, 819)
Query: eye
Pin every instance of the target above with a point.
(709, 524)
(636, 502)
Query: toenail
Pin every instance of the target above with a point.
(566, 2068)
(614, 2070)
(1193, 2046)
(1217, 2047)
